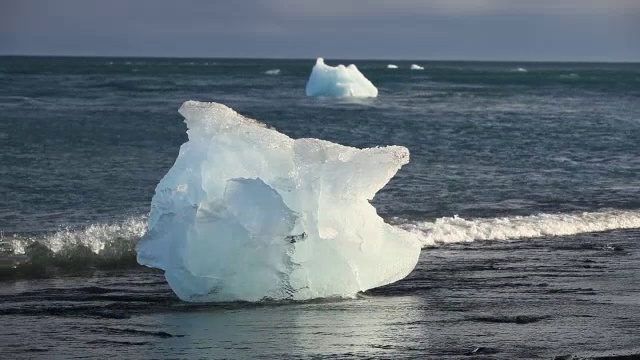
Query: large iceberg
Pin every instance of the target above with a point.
(247, 213)
(338, 80)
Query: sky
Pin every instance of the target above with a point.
(537, 30)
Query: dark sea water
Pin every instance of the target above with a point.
(524, 187)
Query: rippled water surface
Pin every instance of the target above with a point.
(523, 187)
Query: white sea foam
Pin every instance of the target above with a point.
(522, 70)
(416, 67)
(572, 76)
(392, 66)
(456, 229)
(112, 240)
(272, 72)
(95, 237)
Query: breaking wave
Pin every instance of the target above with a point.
(456, 229)
(98, 238)
(113, 245)
(95, 246)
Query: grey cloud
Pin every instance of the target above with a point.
(449, 7)
(452, 29)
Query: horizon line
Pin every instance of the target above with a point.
(312, 58)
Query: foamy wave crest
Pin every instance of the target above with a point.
(456, 229)
(105, 240)
(113, 245)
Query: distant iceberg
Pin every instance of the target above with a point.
(339, 81)
(248, 213)
(273, 72)
(416, 67)
(392, 66)
(522, 70)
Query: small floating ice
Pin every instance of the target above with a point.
(392, 66)
(273, 72)
(339, 81)
(522, 70)
(416, 67)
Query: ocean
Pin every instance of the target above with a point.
(523, 184)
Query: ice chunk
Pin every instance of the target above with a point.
(328, 80)
(272, 72)
(247, 213)
(416, 67)
(392, 66)
(523, 70)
